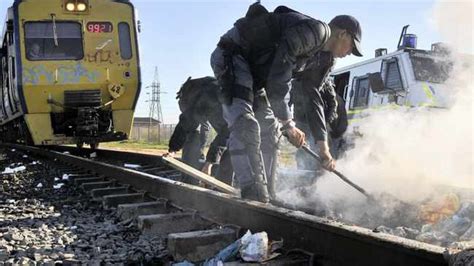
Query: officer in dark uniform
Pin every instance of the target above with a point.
(199, 104)
(331, 126)
(254, 63)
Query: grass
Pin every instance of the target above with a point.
(286, 154)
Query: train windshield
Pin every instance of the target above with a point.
(53, 41)
(431, 68)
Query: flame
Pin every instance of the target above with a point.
(439, 208)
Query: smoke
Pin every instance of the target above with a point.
(410, 152)
(454, 21)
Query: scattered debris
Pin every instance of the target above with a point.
(249, 248)
(445, 222)
(58, 186)
(9, 170)
(254, 247)
(445, 219)
(132, 166)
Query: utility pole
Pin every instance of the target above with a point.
(155, 104)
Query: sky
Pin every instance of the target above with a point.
(178, 36)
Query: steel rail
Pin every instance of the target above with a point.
(329, 240)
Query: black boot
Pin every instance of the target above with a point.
(257, 191)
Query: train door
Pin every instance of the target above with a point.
(13, 95)
(13, 91)
(5, 86)
(8, 72)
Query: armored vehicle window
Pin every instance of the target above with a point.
(393, 79)
(361, 96)
(53, 41)
(431, 69)
(125, 40)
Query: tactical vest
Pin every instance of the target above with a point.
(259, 32)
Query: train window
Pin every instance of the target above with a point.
(5, 85)
(53, 41)
(12, 66)
(6, 102)
(361, 96)
(125, 40)
(10, 32)
(2, 85)
(2, 109)
(10, 38)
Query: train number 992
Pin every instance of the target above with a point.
(99, 27)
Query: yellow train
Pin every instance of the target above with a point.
(70, 72)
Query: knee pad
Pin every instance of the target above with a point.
(247, 130)
(270, 137)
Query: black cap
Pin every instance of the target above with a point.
(352, 26)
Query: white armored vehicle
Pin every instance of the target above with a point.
(407, 77)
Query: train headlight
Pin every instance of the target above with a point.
(76, 5)
(81, 7)
(70, 7)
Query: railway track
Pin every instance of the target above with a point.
(180, 212)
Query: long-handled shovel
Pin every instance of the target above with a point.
(339, 174)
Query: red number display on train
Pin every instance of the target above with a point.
(99, 27)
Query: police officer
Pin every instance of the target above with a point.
(198, 102)
(331, 126)
(313, 113)
(256, 57)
